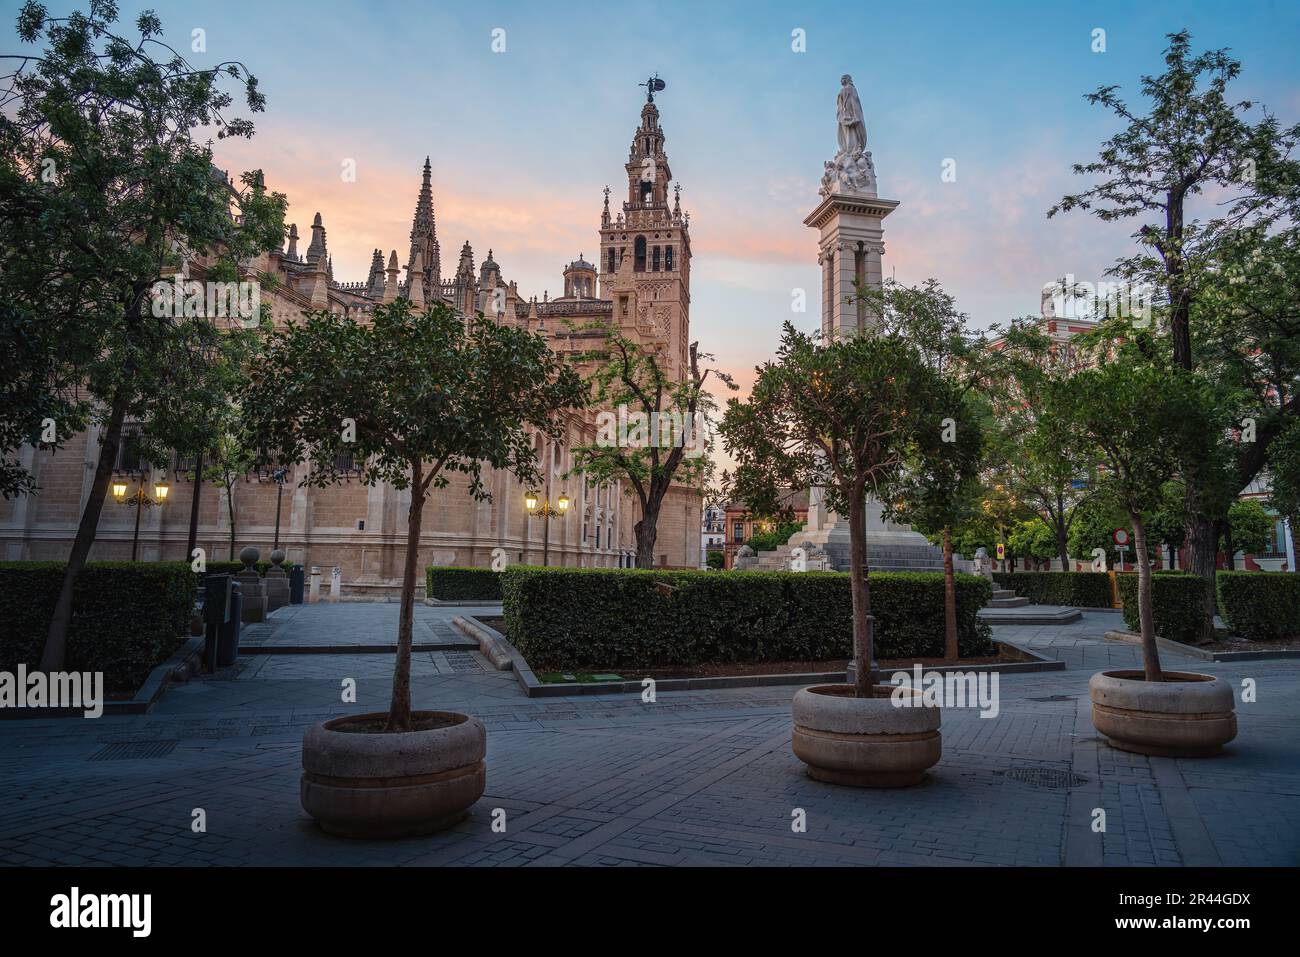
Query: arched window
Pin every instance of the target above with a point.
(638, 262)
(655, 267)
(668, 258)
(612, 266)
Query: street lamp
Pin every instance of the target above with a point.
(279, 476)
(139, 501)
(545, 510)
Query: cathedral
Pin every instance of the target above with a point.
(640, 282)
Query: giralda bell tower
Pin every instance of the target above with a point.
(645, 250)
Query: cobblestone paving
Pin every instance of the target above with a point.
(703, 778)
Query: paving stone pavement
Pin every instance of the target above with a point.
(696, 778)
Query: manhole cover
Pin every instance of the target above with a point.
(133, 751)
(1054, 778)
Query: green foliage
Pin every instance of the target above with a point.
(1094, 527)
(1252, 526)
(127, 617)
(716, 559)
(1032, 539)
(1284, 475)
(564, 618)
(457, 395)
(1260, 606)
(450, 583)
(774, 538)
(653, 428)
(1176, 599)
(1078, 589)
(414, 397)
(102, 173)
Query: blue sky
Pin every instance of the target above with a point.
(523, 141)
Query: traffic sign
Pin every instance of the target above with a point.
(1121, 536)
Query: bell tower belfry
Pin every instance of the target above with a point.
(645, 250)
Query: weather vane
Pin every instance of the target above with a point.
(652, 86)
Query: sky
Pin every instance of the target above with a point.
(523, 141)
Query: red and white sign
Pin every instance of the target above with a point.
(1121, 536)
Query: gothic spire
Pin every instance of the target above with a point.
(424, 233)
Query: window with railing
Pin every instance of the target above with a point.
(130, 457)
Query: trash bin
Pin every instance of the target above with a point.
(216, 612)
(297, 579)
(228, 644)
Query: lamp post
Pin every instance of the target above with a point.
(279, 475)
(546, 510)
(139, 501)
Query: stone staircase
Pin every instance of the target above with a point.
(1006, 598)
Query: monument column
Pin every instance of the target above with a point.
(851, 243)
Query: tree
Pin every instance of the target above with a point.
(1284, 475)
(1169, 523)
(653, 428)
(1033, 540)
(1249, 529)
(938, 488)
(415, 396)
(106, 192)
(229, 460)
(1048, 475)
(1192, 140)
(842, 416)
(1138, 417)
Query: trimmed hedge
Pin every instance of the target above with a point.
(577, 618)
(451, 583)
(1080, 589)
(1176, 599)
(127, 617)
(1260, 606)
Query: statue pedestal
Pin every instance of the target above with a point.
(890, 546)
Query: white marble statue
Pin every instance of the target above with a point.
(852, 126)
(851, 171)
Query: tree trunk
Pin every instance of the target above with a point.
(399, 711)
(1146, 611)
(1062, 536)
(863, 653)
(55, 651)
(950, 652)
(230, 507)
(1202, 557)
(646, 533)
(1230, 550)
(192, 539)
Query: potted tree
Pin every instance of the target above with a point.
(844, 416)
(1142, 419)
(414, 396)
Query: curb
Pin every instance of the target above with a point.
(467, 603)
(352, 649)
(182, 662)
(1192, 651)
(534, 688)
(490, 642)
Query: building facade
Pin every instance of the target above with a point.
(640, 283)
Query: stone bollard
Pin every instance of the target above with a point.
(313, 591)
(336, 583)
(276, 582)
(251, 586)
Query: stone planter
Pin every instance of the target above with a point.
(864, 742)
(1187, 715)
(359, 784)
